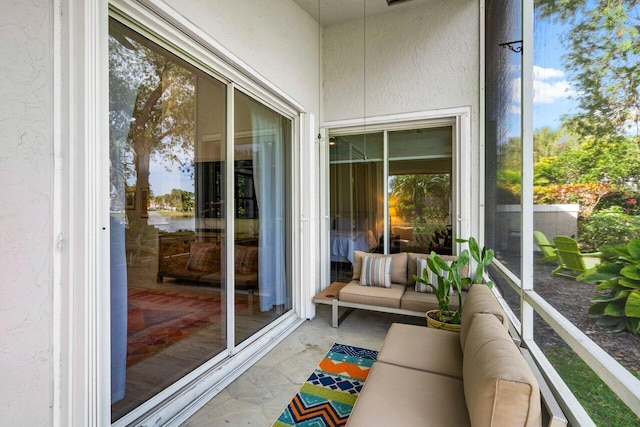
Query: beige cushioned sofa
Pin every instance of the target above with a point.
(400, 298)
(432, 377)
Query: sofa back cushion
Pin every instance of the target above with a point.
(246, 259)
(398, 266)
(480, 299)
(412, 265)
(204, 256)
(499, 387)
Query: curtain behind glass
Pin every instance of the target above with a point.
(268, 173)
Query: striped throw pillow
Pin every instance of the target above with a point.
(376, 271)
(422, 266)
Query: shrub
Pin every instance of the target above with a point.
(610, 226)
(629, 201)
(618, 277)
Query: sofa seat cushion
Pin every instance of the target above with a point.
(426, 349)
(480, 299)
(381, 297)
(398, 396)
(423, 301)
(183, 272)
(499, 387)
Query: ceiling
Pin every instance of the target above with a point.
(337, 11)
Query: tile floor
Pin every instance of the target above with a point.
(258, 396)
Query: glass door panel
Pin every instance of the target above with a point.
(357, 199)
(261, 283)
(419, 190)
(167, 133)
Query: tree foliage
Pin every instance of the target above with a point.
(603, 46)
(419, 195)
(605, 159)
(151, 107)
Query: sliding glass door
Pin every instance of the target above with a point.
(199, 224)
(390, 191)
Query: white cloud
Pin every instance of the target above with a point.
(540, 73)
(549, 86)
(549, 92)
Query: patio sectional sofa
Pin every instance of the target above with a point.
(432, 377)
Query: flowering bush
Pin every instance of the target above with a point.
(627, 200)
(587, 195)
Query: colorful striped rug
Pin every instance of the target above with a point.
(326, 399)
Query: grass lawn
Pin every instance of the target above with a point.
(602, 405)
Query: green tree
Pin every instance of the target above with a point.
(612, 159)
(548, 142)
(412, 192)
(603, 46)
(152, 107)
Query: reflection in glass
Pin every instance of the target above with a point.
(168, 312)
(357, 194)
(419, 190)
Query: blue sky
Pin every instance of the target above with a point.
(551, 81)
(162, 181)
(551, 84)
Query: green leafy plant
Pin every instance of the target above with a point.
(449, 277)
(484, 258)
(618, 277)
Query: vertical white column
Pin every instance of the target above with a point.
(527, 169)
(229, 213)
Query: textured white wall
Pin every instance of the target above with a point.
(276, 38)
(418, 59)
(26, 171)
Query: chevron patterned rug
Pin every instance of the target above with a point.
(326, 399)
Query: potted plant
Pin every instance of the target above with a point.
(449, 277)
(618, 276)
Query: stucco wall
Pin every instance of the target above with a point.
(417, 59)
(276, 38)
(25, 213)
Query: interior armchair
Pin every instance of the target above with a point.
(403, 237)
